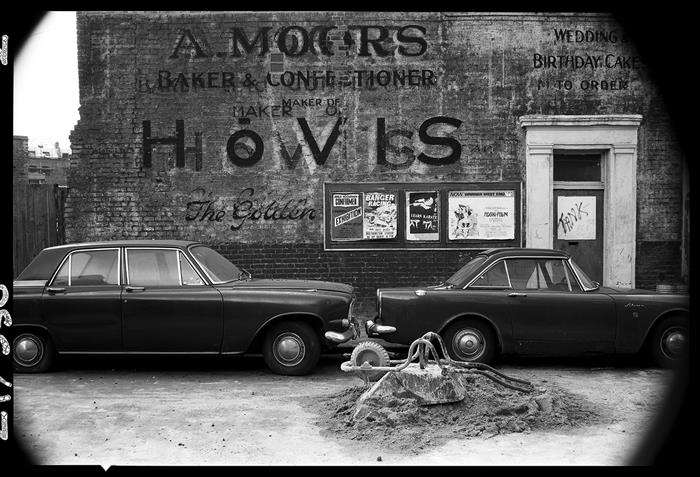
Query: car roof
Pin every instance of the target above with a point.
(126, 243)
(509, 251)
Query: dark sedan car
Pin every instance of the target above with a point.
(160, 297)
(533, 302)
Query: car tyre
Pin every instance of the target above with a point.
(32, 353)
(471, 341)
(669, 342)
(291, 348)
(372, 353)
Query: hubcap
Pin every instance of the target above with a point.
(368, 356)
(468, 343)
(673, 342)
(28, 351)
(289, 349)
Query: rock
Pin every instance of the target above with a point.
(544, 402)
(423, 387)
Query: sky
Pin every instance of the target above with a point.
(46, 83)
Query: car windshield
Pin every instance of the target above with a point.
(588, 284)
(219, 269)
(460, 277)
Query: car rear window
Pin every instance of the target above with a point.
(463, 274)
(43, 265)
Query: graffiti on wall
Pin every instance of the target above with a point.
(204, 206)
(577, 218)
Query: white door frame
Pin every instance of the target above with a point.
(616, 135)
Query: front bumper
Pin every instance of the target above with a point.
(373, 329)
(337, 337)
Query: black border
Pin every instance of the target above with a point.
(665, 37)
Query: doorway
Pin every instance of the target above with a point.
(611, 140)
(578, 192)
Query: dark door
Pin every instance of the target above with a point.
(578, 228)
(167, 307)
(82, 306)
(579, 185)
(551, 315)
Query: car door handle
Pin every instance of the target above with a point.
(132, 289)
(55, 290)
(523, 295)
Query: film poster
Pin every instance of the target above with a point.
(423, 216)
(481, 215)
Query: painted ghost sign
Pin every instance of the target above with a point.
(246, 147)
(481, 215)
(576, 219)
(297, 40)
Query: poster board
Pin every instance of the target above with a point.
(481, 215)
(406, 215)
(423, 215)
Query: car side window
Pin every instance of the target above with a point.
(539, 274)
(525, 274)
(61, 278)
(494, 277)
(189, 275)
(561, 277)
(92, 267)
(152, 267)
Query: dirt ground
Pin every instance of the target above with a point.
(224, 411)
(400, 423)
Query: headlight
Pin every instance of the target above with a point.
(352, 304)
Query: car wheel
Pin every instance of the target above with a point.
(470, 340)
(669, 342)
(372, 353)
(32, 353)
(291, 348)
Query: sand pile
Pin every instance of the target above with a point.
(488, 409)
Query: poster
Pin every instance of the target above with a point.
(481, 215)
(576, 218)
(346, 216)
(423, 216)
(380, 215)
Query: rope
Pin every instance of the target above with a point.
(422, 349)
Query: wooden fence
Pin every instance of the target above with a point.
(37, 220)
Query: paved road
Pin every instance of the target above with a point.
(232, 411)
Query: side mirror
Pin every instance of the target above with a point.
(245, 274)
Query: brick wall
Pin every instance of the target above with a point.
(657, 262)
(20, 145)
(365, 270)
(209, 71)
